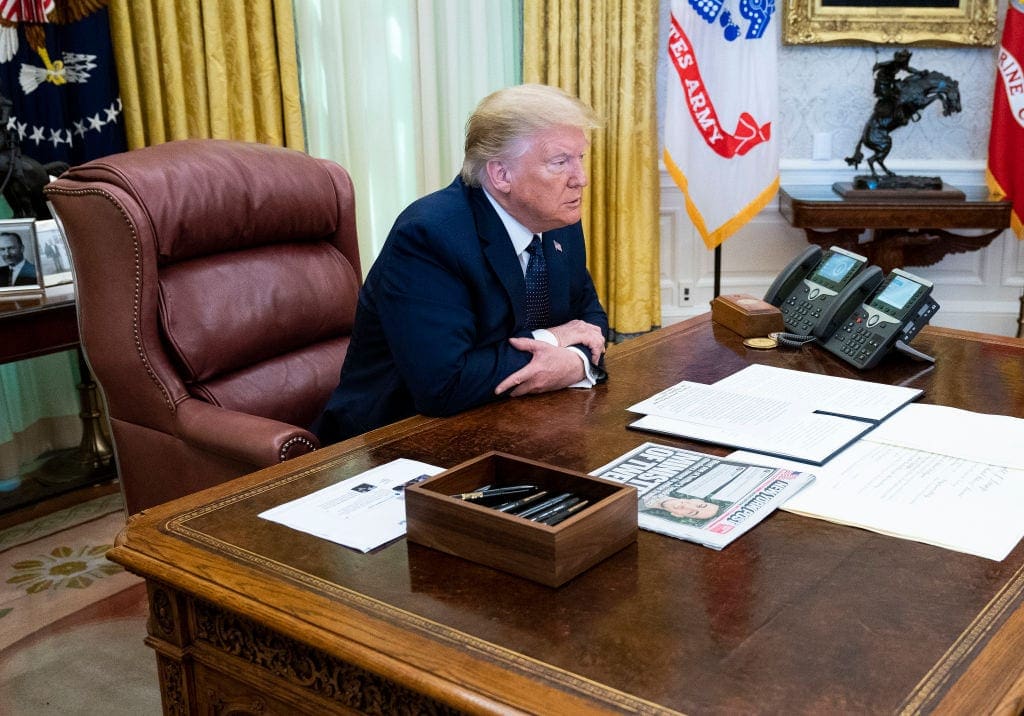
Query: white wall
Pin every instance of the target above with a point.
(828, 89)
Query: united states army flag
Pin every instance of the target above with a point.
(1005, 173)
(721, 105)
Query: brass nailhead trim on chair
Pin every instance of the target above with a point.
(283, 455)
(137, 298)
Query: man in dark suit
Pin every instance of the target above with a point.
(442, 323)
(14, 269)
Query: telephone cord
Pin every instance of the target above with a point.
(793, 340)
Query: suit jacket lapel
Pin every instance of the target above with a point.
(497, 248)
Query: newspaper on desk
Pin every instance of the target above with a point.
(701, 498)
(362, 512)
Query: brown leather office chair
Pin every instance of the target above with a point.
(217, 284)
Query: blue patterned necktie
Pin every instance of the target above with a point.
(538, 306)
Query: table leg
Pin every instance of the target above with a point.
(93, 458)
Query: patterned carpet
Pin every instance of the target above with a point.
(72, 623)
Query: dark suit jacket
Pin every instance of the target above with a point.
(437, 310)
(27, 276)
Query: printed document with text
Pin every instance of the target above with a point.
(943, 476)
(362, 512)
(776, 411)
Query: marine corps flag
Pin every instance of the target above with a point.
(721, 104)
(1005, 174)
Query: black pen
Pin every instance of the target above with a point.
(565, 514)
(555, 509)
(495, 493)
(517, 504)
(546, 504)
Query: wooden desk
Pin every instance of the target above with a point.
(797, 616)
(904, 232)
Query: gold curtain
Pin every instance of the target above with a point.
(207, 68)
(605, 53)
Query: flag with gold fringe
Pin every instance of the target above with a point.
(1005, 173)
(721, 105)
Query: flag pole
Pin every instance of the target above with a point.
(718, 270)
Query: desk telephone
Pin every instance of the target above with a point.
(849, 307)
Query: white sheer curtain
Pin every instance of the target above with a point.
(387, 86)
(39, 410)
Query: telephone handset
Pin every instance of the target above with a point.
(791, 276)
(890, 317)
(817, 281)
(846, 301)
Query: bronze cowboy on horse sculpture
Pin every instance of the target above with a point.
(900, 101)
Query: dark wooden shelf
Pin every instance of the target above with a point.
(913, 230)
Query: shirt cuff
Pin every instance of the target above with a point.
(589, 379)
(543, 334)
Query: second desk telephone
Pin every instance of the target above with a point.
(849, 307)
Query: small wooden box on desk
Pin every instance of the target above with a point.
(551, 555)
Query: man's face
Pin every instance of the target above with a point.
(545, 184)
(11, 251)
(689, 507)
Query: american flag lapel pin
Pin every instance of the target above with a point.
(558, 246)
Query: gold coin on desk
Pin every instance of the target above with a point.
(761, 344)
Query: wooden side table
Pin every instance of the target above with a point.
(902, 231)
(33, 325)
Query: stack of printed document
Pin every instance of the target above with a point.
(934, 474)
(775, 411)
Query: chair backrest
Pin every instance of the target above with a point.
(217, 272)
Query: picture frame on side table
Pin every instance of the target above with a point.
(935, 23)
(19, 252)
(53, 253)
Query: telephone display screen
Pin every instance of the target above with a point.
(835, 270)
(896, 295)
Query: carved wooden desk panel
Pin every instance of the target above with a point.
(798, 616)
(903, 232)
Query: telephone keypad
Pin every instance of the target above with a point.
(801, 314)
(856, 339)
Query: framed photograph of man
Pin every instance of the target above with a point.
(19, 257)
(53, 253)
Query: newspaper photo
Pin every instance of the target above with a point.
(701, 498)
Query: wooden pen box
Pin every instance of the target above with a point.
(551, 555)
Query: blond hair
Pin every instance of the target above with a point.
(504, 120)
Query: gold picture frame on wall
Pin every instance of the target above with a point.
(890, 22)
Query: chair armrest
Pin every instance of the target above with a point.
(246, 438)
